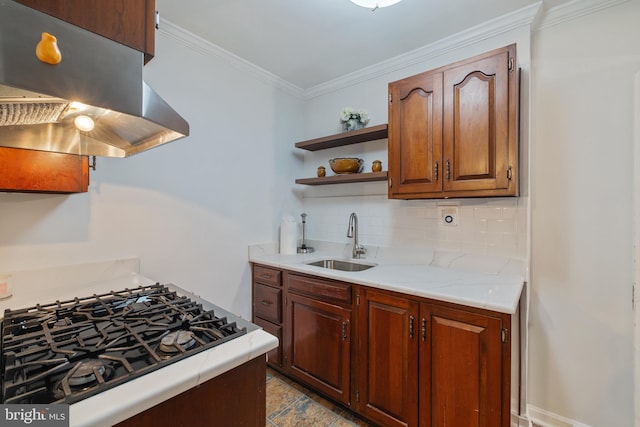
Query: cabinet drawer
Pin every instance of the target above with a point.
(267, 302)
(267, 275)
(274, 357)
(319, 288)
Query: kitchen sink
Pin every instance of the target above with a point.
(342, 265)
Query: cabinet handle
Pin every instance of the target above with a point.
(424, 329)
(390, 182)
(344, 331)
(448, 170)
(435, 171)
(411, 319)
(265, 276)
(267, 303)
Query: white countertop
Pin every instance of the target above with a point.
(119, 403)
(126, 400)
(490, 283)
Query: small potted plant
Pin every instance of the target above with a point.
(352, 119)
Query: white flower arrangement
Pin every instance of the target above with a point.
(352, 119)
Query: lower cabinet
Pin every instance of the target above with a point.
(318, 335)
(388, 359)
(395, 359)
(234, 398)
(267, 297)
(431, 364)
(464, 367)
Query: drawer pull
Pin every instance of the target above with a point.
(265, 302)
(265, 276)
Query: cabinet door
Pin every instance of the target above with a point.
(479, 125)
(130, 22)
(461, 365)
(43, 172)
(415, 136)
(388, 359)
(320, 345)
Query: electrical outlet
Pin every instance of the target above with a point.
(448, 215)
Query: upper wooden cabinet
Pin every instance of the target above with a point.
(130, 22)
(453, 131)
(42, 172)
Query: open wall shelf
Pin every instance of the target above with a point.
(342, 179)
(372, 133)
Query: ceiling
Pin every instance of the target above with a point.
(309, 42)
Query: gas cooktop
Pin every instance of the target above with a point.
(69, 350)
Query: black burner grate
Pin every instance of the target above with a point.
(69, 350)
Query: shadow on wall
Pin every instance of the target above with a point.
(43, 218)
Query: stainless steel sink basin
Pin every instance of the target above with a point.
(342, 265)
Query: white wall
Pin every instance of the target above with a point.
(581, 331)
(188, 209)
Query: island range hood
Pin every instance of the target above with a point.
(97, 81)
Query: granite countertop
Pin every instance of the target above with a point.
(492, 283)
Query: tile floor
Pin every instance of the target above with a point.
(291, 405)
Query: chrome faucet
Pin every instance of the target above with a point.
(352, 231)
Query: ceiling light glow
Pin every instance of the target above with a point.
(375, 4)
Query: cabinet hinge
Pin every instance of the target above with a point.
(510, 64)
(504, 335)
(390, 98)
(344, 331)
(509, 173)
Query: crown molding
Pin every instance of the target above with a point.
(532, 15)
(206, 48)
(575, 9)
(470, 36)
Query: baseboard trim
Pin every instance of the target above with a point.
(519, 421)
(543, 418)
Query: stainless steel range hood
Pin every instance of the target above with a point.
(97, 78)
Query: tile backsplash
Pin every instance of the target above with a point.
(495, 226)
